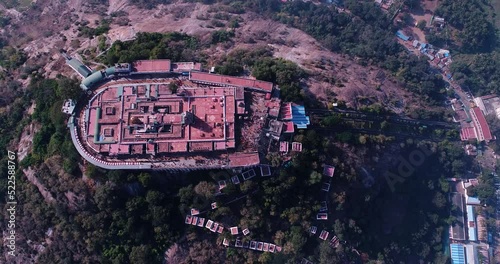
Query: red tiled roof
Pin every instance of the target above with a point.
(286, 111)
(467, 133)
(230, 80)
(284, 146)
(152, 66)
(483, 125)
(289, 127)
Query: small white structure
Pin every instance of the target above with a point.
(68, 107)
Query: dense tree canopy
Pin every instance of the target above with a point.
(174, 46)
(477, 32)
(480, 72)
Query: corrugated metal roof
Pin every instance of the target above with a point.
(471, 223)
(473, 200)
(299, 117)
(92, 80)
(110, 71)
(402, 36)
(81, 69)
(457, 254)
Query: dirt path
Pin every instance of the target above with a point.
(30, 174)
(26, 142)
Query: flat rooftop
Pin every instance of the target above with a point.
(152, 66)
(482, 128)
(148, 118)
(458, 227)
(143, 122)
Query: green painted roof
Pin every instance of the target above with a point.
(110, 71)
(93, 79)
(79, 67)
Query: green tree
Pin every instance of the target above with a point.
(314, 178)
(205, 189)
(141, 255)
(422, 24)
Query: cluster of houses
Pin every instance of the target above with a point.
(328, 171)
(211, 225)
(468, 234)
(199, 221)
(215, 227)
(285, 147)
(265, 171)
(441, 56)
(254, 245)
(324, 235)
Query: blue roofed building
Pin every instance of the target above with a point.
(402, 36)
(471, 223)
(457, 254)
(299, 117)
(472, 200)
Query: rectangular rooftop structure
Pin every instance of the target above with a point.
(481, 126)
(78, 67)
(195, 211)
(328, 170)
(471, 223)
(152, 66)
(297, 146)
(288, 127)
(209, 224)
(322, 216)
(299, 117)
(324, 235)
(457, 254)
(185, 66)
(201, 221)
(208, 78)
(247, 175)
(272, 247)
(286, 111)
(235, 180)
(253, 245)
(283, 146)
(195, 220)
(457, 230)
(265, 170)
(141, 123)
(238, 243)
(260, 246)
(467, 133)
